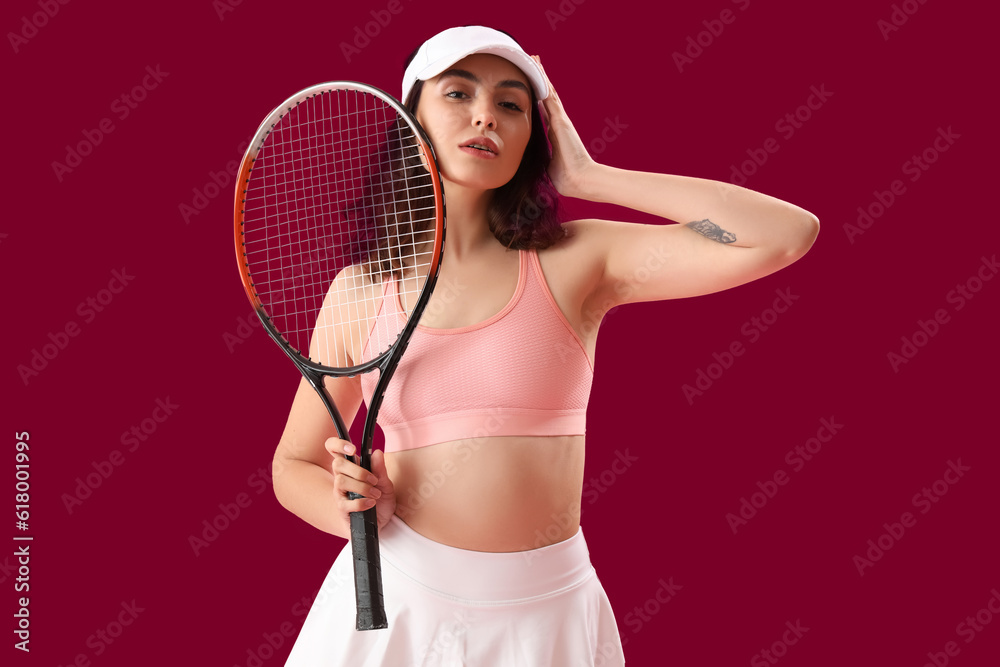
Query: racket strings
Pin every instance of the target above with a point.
(338, 202)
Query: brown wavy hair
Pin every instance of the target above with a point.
(524, 213)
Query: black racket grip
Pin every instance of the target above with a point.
(367, 569)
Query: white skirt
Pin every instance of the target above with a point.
(448, 607)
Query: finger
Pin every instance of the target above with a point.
(552, 91)
(336, 446)
(357, 505)
(378, 462)
(347, 485)
(348, 468)
(548, 82)
(544, 113)
(379, 470)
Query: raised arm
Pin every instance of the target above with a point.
(728, 235)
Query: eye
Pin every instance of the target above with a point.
(456, 94)
(513, 106)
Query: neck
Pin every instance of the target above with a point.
(468, 228)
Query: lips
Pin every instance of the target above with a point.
(484, 144)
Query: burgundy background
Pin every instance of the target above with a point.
(663, 518)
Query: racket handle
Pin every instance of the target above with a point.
(367, 569)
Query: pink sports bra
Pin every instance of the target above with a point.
(522, 372)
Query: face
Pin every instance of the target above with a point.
(478, 116)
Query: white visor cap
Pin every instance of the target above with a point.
(446, 48)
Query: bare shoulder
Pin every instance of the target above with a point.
(588, 236)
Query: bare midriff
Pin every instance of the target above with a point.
(496, 494)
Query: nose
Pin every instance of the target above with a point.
(482, 116)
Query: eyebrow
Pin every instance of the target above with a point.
(469, 76)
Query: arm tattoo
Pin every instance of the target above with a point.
(712, 231)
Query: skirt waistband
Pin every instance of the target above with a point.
(483, 576)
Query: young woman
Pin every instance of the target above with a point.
(478, 494)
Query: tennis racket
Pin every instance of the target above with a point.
(339, 208)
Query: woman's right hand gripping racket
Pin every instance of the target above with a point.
(339, 208)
